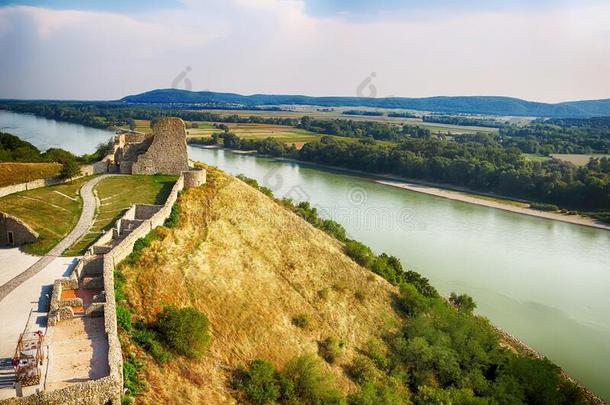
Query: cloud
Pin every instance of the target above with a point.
(279, 46)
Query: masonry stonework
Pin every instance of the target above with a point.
(15, 232)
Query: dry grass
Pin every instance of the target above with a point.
(576, 159)
(15, 173)
(251, 266)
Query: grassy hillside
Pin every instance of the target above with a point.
(280, 295)
(253, 268)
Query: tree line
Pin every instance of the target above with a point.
(486, 167)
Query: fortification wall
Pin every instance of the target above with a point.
(107, 389)
(86, 170)
(20, 231)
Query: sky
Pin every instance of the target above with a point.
(544, 50)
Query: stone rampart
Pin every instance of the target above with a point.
(86, 170)
(106, 390)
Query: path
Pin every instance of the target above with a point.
(82, 226)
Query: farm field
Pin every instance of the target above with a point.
(51, 211)
(577, 159)
(115, 195)
(16, 172)
(336, 113)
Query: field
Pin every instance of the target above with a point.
(51, 211)
(287, 134)
(578, 160)
(116, 194)
(15, 173)
(336, 113)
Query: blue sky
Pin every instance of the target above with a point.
(547, 50)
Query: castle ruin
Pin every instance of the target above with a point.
(163, 151)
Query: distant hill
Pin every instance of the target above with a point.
(466, 104)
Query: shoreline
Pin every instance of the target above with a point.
(460, 196)
(454, 193)
(457, 194)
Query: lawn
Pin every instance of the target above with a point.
(116, 194)
(15, 173)
(51, 211)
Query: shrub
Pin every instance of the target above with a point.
(331, 349)
(174, 216)
(377, 351)
(132, 382)
(69, 169)
(411, 301)
(123, 317)
(360, 296)
(148, 340)
(324, 293)
(339, 286)
(312, 385)
(363, 370)
(260, 383)
(360, 253)
(374, 393)
(544, 207)
(301, 321)
(185, 330)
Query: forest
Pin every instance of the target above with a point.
(476, 165)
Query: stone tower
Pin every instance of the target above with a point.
(167, 152)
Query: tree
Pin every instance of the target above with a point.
(462, 302)
(70, 169)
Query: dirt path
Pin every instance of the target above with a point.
(82, 226)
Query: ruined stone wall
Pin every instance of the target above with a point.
(167, 153)
(22, 233)
(86, 170)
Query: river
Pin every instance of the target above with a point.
(546, 282)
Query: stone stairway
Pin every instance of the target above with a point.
(7, 373)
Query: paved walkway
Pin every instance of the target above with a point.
(83, 224)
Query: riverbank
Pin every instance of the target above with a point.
(460, 196)
(455, 193)
(489, 200)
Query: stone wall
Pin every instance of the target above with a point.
(21, 232)
(86, 170)
(167, 153)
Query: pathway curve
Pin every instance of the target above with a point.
(82, 226)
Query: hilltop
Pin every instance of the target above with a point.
(252, 267)
(492, 105)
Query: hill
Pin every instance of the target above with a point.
(251, 268)
(492, 105)
(280, 295)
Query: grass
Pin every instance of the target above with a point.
(536, 158)
(51, 211)
(116, 194)
(576, 159)
(15, 173)
(250, 266)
